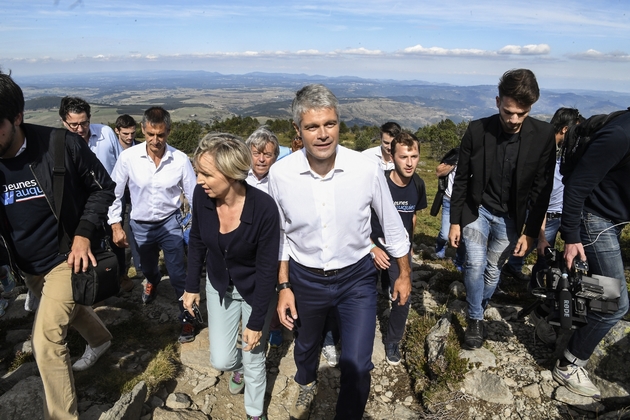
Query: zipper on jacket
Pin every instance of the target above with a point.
(96, 180)
(46, 196)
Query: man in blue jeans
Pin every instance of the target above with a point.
(596, 208)
(505, 167)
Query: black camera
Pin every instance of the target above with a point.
(567, 295)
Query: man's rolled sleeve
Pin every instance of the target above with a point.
(396, 238)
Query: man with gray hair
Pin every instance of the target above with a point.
(156, 174)
(325, 193)
(265, 149)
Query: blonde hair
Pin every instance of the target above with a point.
(231, 156)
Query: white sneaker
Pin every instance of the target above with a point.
(331, 355)
(575, 379)
(544, 331)
(90, 356)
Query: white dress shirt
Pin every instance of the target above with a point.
(104, 144)
(261, 184)
(155, 190)
(376, 154)
(325, 221)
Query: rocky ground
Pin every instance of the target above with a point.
(509, 378)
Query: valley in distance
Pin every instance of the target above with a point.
(209, 96)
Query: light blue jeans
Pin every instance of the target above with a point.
(604, 258)
(224, 320)
(489, 241)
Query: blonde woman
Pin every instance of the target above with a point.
(235, 232)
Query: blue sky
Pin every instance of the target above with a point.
(568, 44)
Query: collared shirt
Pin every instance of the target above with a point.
(376, 153)
(498, 193)
(155, 190)
(325, 221)
(261, 184)
(104, 144)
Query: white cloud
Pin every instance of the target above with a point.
(359, 51)
(540, 49)
(595, 55)
(420, 50)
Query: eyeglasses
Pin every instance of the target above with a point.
(75, 126)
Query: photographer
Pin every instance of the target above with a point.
(596, 207)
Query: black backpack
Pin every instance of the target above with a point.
(579, 136)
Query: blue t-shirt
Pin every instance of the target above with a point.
(407, 200)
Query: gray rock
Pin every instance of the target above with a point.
(481, 356)
(457, 290)
(24, 401)
(609, 367)
(435, 279)
(378, 348)
(492, 314)
(155, 402)
(25, 347)
(532, 391)
(16, 336)
(16, 309)
(458, 307)
(25, 370)
(129, 406)
(196, 355)
(279, 384)
(435, 343)
(403, 413)
(578, 401)
(205, 384)
(112, 316)
(164, 414)
(178, 401)
(487, 387)
(94, 412)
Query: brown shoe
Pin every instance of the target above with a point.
(302, 407)
(126, 284)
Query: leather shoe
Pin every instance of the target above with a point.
(475, 334)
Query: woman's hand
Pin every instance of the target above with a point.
(381, 259)
(188, 299)
(251, 338)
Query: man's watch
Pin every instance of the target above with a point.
(282, 286)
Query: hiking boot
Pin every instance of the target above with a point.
(575, 379)
(149, 293)
(544, 331)
(508, 271)
(7, 280)
(392, 354)
(188, 332)
(263, 417)
(90, 356)
(331, 355)
(499, 292)
(236, 383)
(126, 284)
(302, 407)
(275, 338)
(474, 335)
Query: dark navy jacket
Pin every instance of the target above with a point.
(251, 260)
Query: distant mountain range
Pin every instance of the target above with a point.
(413, 103)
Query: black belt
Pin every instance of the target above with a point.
(322, 272)
(552, 216)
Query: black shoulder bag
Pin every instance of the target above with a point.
(97, 283)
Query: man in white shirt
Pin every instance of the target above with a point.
(325, 193)
(382, 153)
(156, 174)
(265, 149)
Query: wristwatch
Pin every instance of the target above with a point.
(282, 286)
